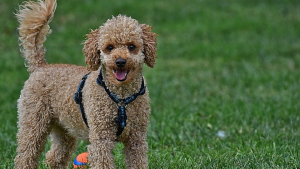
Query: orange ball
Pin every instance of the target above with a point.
(81, 160)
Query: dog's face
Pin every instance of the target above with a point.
(121, 46)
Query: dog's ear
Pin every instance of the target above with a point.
(149, 45)
(91, 50)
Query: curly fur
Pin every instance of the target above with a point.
(33, 30)
(46, 105)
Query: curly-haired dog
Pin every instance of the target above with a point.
(113, 99)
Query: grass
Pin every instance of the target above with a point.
(231, 66)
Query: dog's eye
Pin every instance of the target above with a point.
(131, 47)
(109, 48)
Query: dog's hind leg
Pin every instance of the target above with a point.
(62, 147)
(34, 125)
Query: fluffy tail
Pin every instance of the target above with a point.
(34, 18)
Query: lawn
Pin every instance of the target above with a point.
(225, 90)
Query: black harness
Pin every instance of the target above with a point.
(78, 97)
(122, 103)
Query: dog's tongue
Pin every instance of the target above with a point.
(121, 74)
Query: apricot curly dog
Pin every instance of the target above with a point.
(111, 102)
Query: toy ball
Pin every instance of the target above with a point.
(81, 161)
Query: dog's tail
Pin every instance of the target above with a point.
(34, 19)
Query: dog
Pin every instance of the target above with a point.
(103, 103)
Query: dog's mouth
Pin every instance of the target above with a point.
(121, 74)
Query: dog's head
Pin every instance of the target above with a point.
(121, 46)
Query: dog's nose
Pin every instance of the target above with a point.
(120, 62)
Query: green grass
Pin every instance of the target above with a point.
(231, 66)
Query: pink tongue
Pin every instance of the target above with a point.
(121, 74)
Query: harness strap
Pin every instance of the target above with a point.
(78, 98)
(122, 117)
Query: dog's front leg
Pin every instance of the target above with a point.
(135, 151)
(100, 154)
(102, 142)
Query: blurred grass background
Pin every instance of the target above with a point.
(225, 89)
